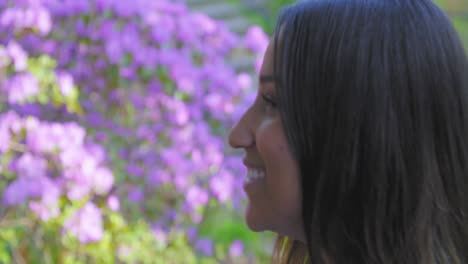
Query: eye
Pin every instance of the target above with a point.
(270, 100)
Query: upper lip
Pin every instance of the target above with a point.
(250, 164)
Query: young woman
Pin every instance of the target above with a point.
(357, 143)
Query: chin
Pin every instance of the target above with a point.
(255, 223)
(255, 227)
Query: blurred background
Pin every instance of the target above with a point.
(113, 123)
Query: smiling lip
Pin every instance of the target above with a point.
(250, 184)
(250, 165)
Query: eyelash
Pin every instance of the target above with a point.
(269, 100)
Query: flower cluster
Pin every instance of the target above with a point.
(124, 101)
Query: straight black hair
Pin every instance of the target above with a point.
(374, 103)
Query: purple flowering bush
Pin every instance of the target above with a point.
(113, 123)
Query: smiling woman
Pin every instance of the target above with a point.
(357, 143)
(274, 199)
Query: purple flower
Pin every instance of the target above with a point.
(168, 62)
(181, 181)
(244, 81)
(9, 16)
(154, 86)
(48, 46)
(213, 155)
(97, 152)
(79, 179)
(88, 169)
(130, 38)
(44, 211)
(136, 195)
(72, 134)
(27, 109)
(71, 8)
(125, 9)
(38, 139)
(135, 170)
(187, 85)
(43, 21)
(48, 207)
(186, 32)
(24, 188)
(236, 249)
(173, 8)
(31, 167)
(71, 158)
(146, 58)
(17, 192)
(203, 23)
(77, 191)
(80, 28)
(222, 185)
(113, 203)
(66, 83)
(137, 100)
(51, 191)
(197, 159)
(7, 120)
(128, 72)
(114, 50)
(196, 196)
(162, 27)
(18, 55)
(102, 5)
(181, 115)
(157, 177)
(27, 19)
(107, 29)
(4, 58)
(146, 133)
(214, 101)
(124, 251)
(103, 180)
(95, 119)
(21, 86)
(86, 224)
(191, 233)
(205, 246)
(160, 235)
(256, 39)
(172, 157)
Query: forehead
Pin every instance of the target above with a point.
(268, 59)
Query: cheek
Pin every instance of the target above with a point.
(282, 170)
(273, 146)
(282, 183)
(282, 147)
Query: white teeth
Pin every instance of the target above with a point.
(254, 175)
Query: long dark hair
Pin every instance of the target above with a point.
(373, 96)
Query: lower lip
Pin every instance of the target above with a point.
(252, 183)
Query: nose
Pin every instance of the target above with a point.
(241, 135)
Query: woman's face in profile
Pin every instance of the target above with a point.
(272, 182)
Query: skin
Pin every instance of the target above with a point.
(274, 202)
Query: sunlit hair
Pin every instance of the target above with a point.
(287, 250)
(373, 97)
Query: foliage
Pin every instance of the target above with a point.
(456, 9)
(112, 122)
(266, 17)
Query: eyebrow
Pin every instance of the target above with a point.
(267, 78)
